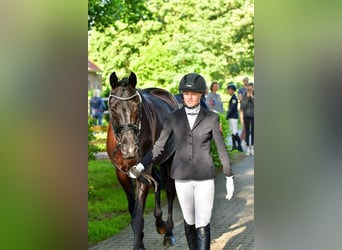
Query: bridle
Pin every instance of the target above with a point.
(127, 126)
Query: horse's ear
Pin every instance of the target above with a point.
(132, 80)
(113, 79)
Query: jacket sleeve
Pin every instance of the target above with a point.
(221, 147)
(159, 145)
(147, 159)
(233, 105)
(229, 110)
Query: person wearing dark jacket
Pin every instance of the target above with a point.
(247, 106)
(193, 170)
(97, 106)
(232, 117)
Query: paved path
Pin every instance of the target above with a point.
(232, 224)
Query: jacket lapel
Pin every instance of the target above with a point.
(199, 118)
(184, 120)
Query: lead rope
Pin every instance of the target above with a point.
(150, 179)
(147, 177)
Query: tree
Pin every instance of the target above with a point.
(212, 38)
(104, 13)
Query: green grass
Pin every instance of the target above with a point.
(107, 203)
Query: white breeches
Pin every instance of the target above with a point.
(196, 199)
(233, 124)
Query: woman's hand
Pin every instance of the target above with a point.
(135, 171)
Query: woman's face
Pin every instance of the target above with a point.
(191, 99)
(215, 87)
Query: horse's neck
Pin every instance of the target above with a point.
(148, 119)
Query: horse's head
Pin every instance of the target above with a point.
(124, 104)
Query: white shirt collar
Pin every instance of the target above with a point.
(192, 111)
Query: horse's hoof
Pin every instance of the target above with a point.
(161, 230)
(169, 240)
(161, 227)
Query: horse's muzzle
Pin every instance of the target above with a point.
(129, 151)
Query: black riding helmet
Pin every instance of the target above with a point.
(192, 82)
(231, 86)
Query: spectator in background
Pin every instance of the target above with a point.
(241, 94)
(247, 106)
(232, 117)
(213, 99)
(97, 106)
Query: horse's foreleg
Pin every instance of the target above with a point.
(128, 187)
(158, 213)
(138, 216)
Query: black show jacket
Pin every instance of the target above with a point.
(192, 160)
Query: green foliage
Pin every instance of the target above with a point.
(92, 148)
(100, 139)
(213, 38)
(107, 203)
(225, 133)
(103, 13)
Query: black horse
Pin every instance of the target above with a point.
(136, 118)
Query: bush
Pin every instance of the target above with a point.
(225, 133)
(92, 148)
